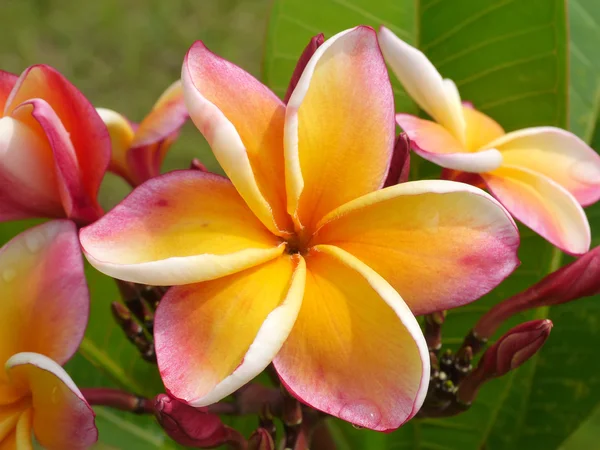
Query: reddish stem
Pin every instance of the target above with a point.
(118, 399)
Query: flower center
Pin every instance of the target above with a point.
(297, 244)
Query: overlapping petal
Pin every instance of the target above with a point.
(242, 120)
(61, 417)
(7, 82)
(81, 129)
(481, 129)
(339, 130)
(435, 95)
(440, 244)
(121, 133)
(543, 205)
(435, 143)
(214, 337)
(45, 297)
(356, 351)
(182, 227)
(557, 154)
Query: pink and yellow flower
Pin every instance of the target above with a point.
(299, 258)
(138, 150)
(44, 313)
(54, 148)
(542, 175)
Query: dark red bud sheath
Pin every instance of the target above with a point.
(192, 427)
(261, 440)
(400, 165)
(307, 53)
(579, 279)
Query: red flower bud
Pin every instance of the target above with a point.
(197, 165)
(261, 440)
(192, 427)
(579, 279)
(309, 50)
(515, 347)
(400, 165)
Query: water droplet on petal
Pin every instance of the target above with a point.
(361, 413)
(9, 274)
(34, 241)
(585, 172)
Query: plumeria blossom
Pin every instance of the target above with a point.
(54, 148)
(138, 150)
(542, 175)
(299, 258)
(44, 312)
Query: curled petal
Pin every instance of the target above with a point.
(214, 337)
(7, 82)
(353, 325)
(543, 205)
(404, 231)
(309, 50)
(121, 136)
(434, 143)
(438, 97)
(61, 417)
(83, 126)
(41, 271)
(557, 154)
(242, 120)
(400, 164)
(481, 129)
(198, 226)
(339, 130)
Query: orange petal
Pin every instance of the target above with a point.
(62, 419)
(436, 144)
(7, 82)
(356, 351)
(121, 136)
(556, 154)
(45, 296)
(481, 129)
(179, 228)
(339, 133)
(440, 244)
(543, 205)
(242, 121)
(214, 337)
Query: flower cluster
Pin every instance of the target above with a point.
(310, 260)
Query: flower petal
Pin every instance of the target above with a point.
(481, 129)
(41, 271)
(309, 50)
(182, 227)
(356, 351)
(121, 136)
(543, 205)
(438, 97)
(84, 128)
(242, 120)
(434, 143)
(557, 154)
(214, 337)
(28, 185)
(9, 416)
(7, 82)
(339, 131)
(61, 417)
(400, 163)
(440, 244)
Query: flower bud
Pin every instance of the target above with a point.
(261, 440)
(400, 165)
(309, 50)
(192, 427)
(581, 278)
(197, 165)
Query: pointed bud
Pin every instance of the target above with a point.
(261, 440)
(307, 53)
(579, 279)
(400, 164)
(197, 165)
(192, 427)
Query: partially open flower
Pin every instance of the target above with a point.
(542, 175)
(54, 148)
(138, 150)
(300, 257)
(43, 315)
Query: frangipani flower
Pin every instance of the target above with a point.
(43, 315)
(139, 150)
(54, 148)
(299, 257)
(542, 175)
